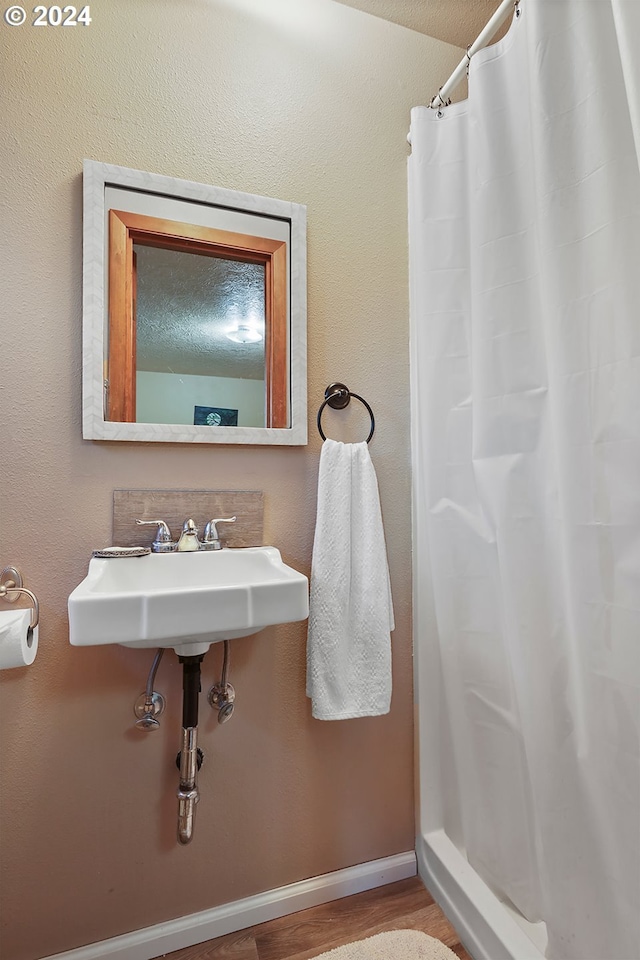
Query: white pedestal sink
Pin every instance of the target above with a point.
(185, 600)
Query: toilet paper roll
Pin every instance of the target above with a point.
(18, 642)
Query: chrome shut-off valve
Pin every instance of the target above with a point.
(222, 698)
(150, 704)
(147, 709)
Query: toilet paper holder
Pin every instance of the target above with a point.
(11, 583)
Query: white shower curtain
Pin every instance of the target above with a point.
(525, 289)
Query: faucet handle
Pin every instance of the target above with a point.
(211, 538)
(164, 542)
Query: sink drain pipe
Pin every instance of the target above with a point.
(190, 757)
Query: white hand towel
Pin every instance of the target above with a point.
(350, 609)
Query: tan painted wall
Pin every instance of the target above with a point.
(307, 101)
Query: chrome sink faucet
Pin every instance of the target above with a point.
(189, 541)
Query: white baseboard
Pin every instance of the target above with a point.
(485, 928)
(196, 928)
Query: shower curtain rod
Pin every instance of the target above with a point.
(492, 27)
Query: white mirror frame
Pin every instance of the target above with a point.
(94, 426)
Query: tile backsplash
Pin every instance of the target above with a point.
(175, 506)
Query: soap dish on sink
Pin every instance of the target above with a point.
(108, 553)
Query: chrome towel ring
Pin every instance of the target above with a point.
(338, 397)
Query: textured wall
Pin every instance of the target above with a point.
(305, 101)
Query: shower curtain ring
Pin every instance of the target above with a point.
(468, 57)
(517, 10)
(443, 103)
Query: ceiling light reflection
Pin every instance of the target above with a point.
(243, 333)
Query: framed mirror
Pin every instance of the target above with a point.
(194, 312)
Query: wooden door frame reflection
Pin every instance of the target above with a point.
(125, 229)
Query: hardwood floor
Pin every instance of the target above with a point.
(304, 935)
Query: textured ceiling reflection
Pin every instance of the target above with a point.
(187, 303)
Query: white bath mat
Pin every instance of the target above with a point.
(396, 945)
